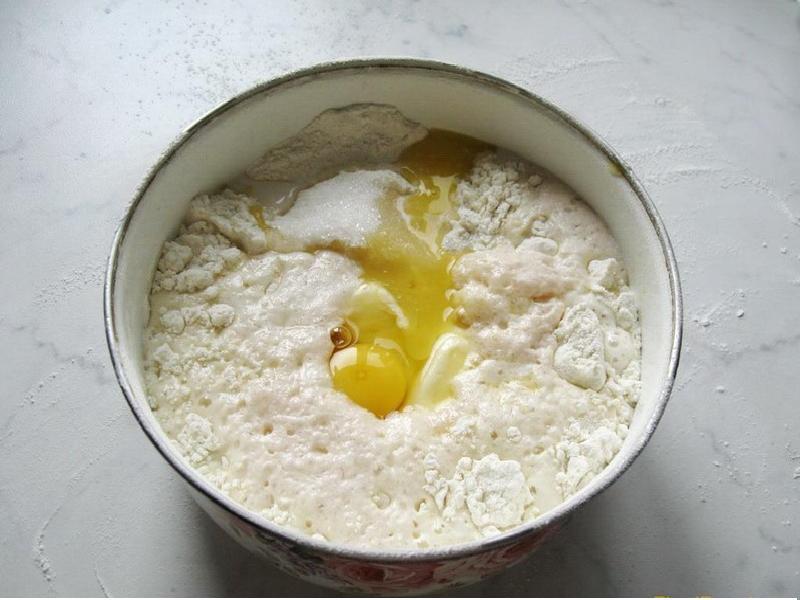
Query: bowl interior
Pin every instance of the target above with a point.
(223, 144)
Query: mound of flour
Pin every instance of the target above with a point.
(366, 134)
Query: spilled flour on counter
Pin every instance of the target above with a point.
(538, 368)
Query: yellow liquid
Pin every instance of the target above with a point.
(258, 214)
(404, 258)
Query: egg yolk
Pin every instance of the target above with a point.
(404, 306)
(372, 376)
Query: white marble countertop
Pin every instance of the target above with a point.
(701, 97)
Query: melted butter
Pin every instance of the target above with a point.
(443, 153)
(403, 308)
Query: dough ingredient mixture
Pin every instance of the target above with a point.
(421, 340)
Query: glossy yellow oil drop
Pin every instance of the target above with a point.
(402, 312)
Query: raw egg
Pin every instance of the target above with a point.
(403, 307)
(372, 376)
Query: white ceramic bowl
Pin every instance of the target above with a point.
(235, 134)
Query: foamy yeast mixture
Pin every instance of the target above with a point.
(391, 337)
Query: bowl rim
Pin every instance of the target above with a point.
(395, 556)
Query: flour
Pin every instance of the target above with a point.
(492, 490)
(196, 439)
(230, 214)
(338, 138)
(503, 201)
(580, 357)
(607, 274)
(584, 451)
(509, 301)
(194, 259)
(237, 350)
(488, 203)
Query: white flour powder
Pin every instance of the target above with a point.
(238, 344)
(339, 138)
